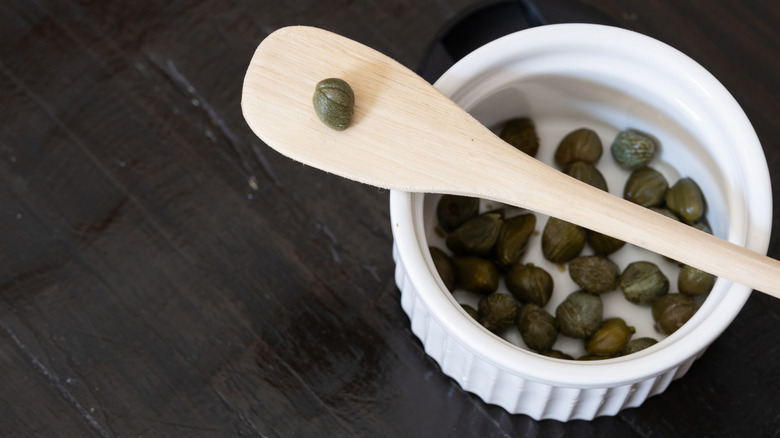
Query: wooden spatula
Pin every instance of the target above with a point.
(405, 135)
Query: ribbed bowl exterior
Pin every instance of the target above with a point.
(505, 388)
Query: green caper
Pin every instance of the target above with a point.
(643, 283)
(472, 312)
(579, 315)
(595, 274)
(537, 327)
(633, 149)
(638, 344)
(586, 173)
(445, 267)
(476, 274)
(603, 244)
(497, 312)
(476, 236)
(686, 200)
(529, 284)
(702, 225)
(610, 338)
(556, 354)
(513, 238)
(646, 187)
(334, 103)
(693, 281)
(671, 311)
(453, 210)
(579, 145)
(521, 133)
(588, 357)
(666, 212)
(561, 240)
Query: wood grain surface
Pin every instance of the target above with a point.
(165, 274)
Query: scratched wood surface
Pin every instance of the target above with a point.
(163, 273)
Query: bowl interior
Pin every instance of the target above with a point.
(569, 76)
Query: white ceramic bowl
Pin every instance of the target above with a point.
(608, 79)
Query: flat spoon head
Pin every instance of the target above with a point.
(406, 135)
(400, 127)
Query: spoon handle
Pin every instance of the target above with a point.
(406, 135)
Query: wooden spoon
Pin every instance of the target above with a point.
(406, 135)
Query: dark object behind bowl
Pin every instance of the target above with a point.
(484, 22)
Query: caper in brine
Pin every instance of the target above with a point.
(579, 145)
(693, 281)
(603, 244)
(445, 267)
(521, 133)
(665, 212)
(702, 225)
(334, 103)
(556, 354)
(610, 338)
(529, 284)
(497, 311)
(453, 210)
(586, 173)
(472, 312)
(595, 274)
(476, 236)
(513, 238)
(671, 311)
(686, 200)
(588, 357)
(646, 187)
(633, 149)
(579, 315)
(537, 327)
(638, 344)
(643, 282)
(476, 274)
(561, 240)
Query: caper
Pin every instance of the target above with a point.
(595, 274)
(586, 173)
(561, 240)
(579, 145)
(537, 327)
(603, 244)
(521, 133)
(686, 200)
(529, 284)
(693, 281)
(579, 315)
(472, 312)
(646, 187)
(702, 225)
(445, 267)
(588, 357)
(453, 210)
(513, 238)
(671, 311)
(643, 282)
(476, 236)
(666, 212)
(476, 274)
(633, 149)
(610, 338)
(497, 311)
(556, 354)
(638, 344)
(334, 103)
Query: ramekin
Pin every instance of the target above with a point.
(567, 76)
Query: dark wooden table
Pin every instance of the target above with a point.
(164, 274)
